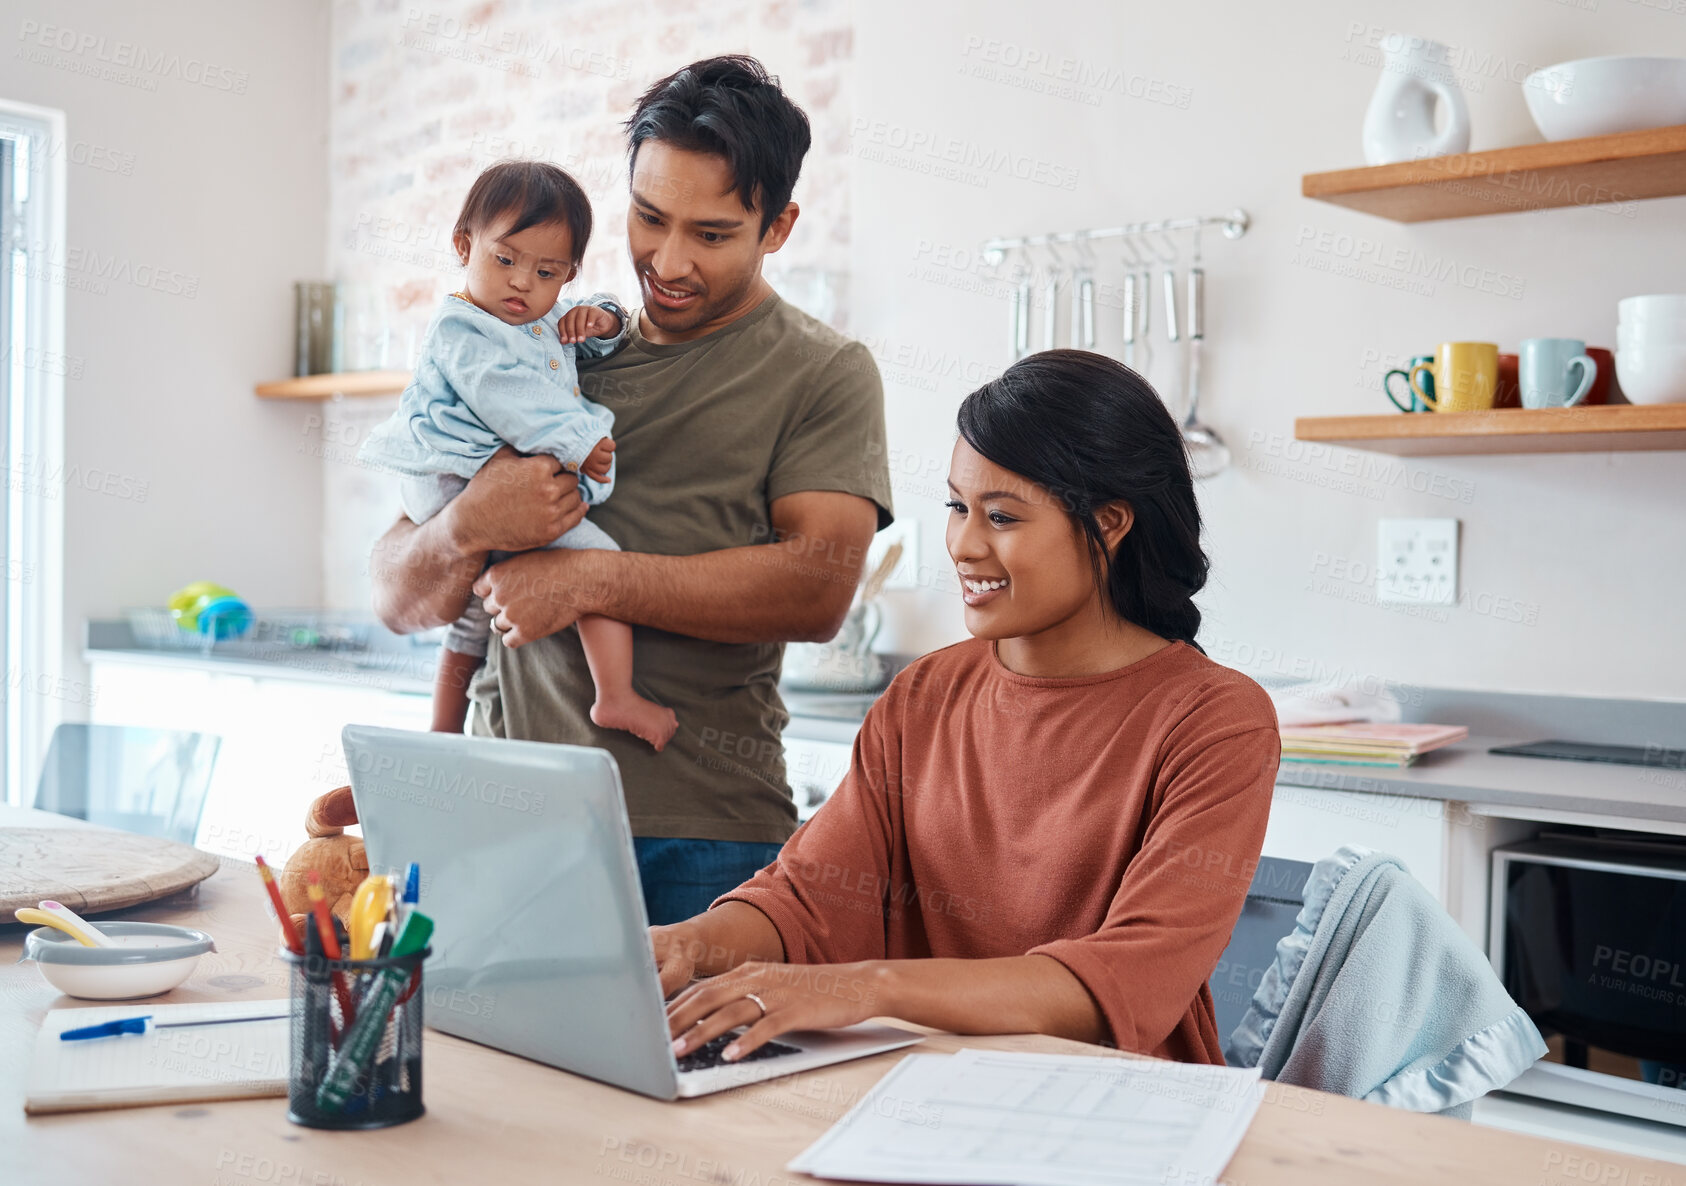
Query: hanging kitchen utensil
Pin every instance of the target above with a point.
(1083, 300)
(1207, 453)
(1051, 300)
(1132, 315)
(1019, 309)
(1171, 394)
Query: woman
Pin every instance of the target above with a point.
(1048, 828)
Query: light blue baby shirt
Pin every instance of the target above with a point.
(482, 383)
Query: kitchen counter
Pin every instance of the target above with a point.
(386, 661)
(399, 663)
(1464, 772)
(1467, 773)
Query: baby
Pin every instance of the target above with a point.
(497, 369)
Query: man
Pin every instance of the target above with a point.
(750, 440)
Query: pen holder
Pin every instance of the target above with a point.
(363, 1070)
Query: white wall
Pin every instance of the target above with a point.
(1196, 108)
(216, 194)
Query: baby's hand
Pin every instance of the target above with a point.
(597, 461)
(586, 321)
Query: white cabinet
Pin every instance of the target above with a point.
(280, 739)
(1307, 824)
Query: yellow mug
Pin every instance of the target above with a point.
(1466, 374)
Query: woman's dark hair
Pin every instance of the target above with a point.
(534, 192)
(1092, 431)
(729, 107)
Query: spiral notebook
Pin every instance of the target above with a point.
(234, 1060)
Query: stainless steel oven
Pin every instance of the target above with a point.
(1589, 936)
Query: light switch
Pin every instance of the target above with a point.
(1417, 561)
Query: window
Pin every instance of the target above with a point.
(33, 366)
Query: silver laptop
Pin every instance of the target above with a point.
(540, 944)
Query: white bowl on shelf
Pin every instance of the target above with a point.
(1652, 326)
(1651, 374)
(1638, 310)
(1650, 335)
(1655, 340)
(1601, 96)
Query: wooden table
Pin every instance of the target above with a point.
(492, 1117)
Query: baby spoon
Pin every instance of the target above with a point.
(74, 925)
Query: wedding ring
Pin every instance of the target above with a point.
(759, 1003)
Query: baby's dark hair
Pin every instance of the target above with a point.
(535, 193)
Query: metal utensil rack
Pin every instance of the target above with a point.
(1145, 248)
(1234, 225)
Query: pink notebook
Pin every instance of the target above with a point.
(1412, 739)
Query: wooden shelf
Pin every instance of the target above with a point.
(325, 386)
(1620, 428)
(1625, 167)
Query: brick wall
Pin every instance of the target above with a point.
(426, 95)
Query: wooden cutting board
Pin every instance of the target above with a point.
(93, 869)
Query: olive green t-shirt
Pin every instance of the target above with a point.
(707, 434)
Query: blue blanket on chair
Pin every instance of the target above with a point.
(1378, 995)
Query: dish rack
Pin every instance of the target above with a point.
(156, 627)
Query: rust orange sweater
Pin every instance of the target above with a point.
(1112, 822)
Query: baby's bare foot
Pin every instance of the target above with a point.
(636, 715)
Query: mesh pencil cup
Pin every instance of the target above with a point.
(356, 1040)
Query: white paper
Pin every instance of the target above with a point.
(1003, 1118)
(233, 1060)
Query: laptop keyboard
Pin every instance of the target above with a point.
(709, 1054)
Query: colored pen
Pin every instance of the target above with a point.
(289, 933)
(140, 1025)
(330, 941)
(362, 1040)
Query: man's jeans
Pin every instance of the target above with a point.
(681, 877)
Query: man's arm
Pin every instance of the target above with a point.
(797, 589)
(423, 574)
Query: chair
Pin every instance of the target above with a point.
(150, 781)
(1376, 994)
(1273, 902)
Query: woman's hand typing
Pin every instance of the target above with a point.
(795, 996)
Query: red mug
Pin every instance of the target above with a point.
(1507, 391)
(1599, 392)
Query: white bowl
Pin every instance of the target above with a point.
(1599, 96)
(1652, 327)
(1637, 309)
(1652, 374)
(151, 958)
(1655, 335)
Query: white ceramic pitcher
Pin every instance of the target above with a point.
(1399, 125)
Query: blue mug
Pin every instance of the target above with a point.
(1544, 368)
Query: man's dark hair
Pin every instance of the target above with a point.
(729, 107)
(534, 193)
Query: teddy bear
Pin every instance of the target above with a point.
(339, 860)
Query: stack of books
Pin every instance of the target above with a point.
(1366, 744)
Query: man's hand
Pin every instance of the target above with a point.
(586, 321)
(515, 503)
(597, 461)
(535, 594)
(795, 996)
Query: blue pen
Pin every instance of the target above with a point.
(140, 1025)
(412, 884)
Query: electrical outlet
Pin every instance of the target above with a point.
(1417, 561)
(906, 573)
